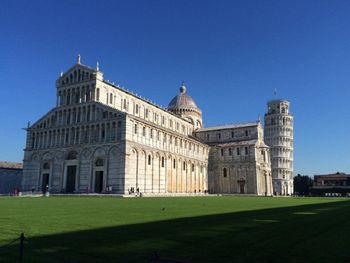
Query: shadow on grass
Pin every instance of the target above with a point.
(309, 233)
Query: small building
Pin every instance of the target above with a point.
(10, 177)
(336, 184)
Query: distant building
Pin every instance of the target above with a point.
(10, 177)
(331, 184)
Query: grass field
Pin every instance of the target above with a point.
(189, 229)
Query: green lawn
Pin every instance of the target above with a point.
(189, 229)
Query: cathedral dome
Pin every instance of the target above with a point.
(182, 101)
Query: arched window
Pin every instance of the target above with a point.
(68, 99)
(97, 94)
(111, 98)
(144, 131)
(124, 104)
(103, 133)
(46, 166)
(87, 95)
(224, 171)
(162, 161)
(99, 162)
(149, 159)
(77, 97)
(135, 129)
(184, 166)
(174, 164)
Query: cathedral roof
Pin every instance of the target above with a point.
(182, 101)
(228, 126)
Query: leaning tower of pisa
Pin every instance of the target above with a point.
(278, 134)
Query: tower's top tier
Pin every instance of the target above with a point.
(278, 107)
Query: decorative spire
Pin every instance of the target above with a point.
(259, 120)
(183, 87)
(78, 59)
(61, 74)
(97, 66)
(275, 92)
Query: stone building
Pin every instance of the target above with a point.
(336, 184)
(10, 177)
(103, 138)
(239, 160)
(279, 136)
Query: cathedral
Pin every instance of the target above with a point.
(102, 138)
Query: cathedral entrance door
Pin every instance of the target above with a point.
(71, 175)
(45, 182)
(241, 186)
(98, 181)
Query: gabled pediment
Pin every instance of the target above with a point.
(76, 73)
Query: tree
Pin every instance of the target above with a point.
(302, 184)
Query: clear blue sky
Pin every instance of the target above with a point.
(231, 54)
